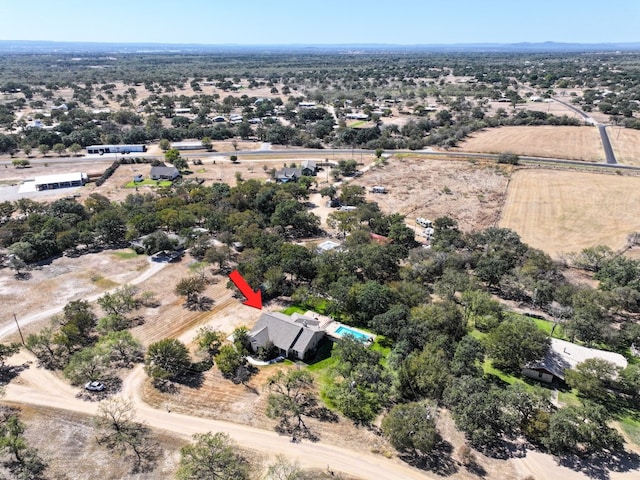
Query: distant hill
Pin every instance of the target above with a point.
(35, 46)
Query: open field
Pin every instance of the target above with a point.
(574, 143)
(471, 192)
(565, 211)
(626, 144)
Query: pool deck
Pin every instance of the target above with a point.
(330, 326)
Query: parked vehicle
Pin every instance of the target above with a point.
(423, 222)
(94, 386)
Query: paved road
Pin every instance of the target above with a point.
(277, 156)
(606, 143)
(609, 156)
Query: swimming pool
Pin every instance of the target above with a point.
(342, 331)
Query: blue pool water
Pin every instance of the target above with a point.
(342, 331)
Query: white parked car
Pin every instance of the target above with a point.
(94, 386)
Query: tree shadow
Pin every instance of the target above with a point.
(503, 449)
(9, 372)
(475, 468)
(165, 386)
(22, 276)
(601, 465)
(201, 304)
(324, 415)
(438, 461)
(192, 379)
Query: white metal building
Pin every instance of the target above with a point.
(63, 180)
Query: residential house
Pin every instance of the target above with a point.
(164, 173)
(285, 175)
(309, 168)
(296, 336)
(563, 355)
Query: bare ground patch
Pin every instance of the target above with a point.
(63, 280)
(471, 192)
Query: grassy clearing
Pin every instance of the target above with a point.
(489, 369)
(150, 183)
(102, 282)
(546, 326)
(193, 267)
(568, 397)
(631, 429)
(126, 255)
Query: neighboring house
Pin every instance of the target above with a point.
(164, 173)
(309, 168)
(296, 336)
(357, 116)
(285, 175)
(562, 356)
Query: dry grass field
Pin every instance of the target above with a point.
(575, 143)
(626, 144)
(566, 211)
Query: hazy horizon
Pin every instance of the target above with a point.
(332, 22)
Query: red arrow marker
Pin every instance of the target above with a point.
(254, 299)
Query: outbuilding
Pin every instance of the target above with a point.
(63, 180)
(102, 149)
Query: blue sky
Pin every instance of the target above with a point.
(263, 22)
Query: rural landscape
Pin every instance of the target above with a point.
(394, 263)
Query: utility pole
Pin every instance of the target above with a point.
(19, 331)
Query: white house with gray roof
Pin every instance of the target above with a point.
(296, 336)
(563, 355)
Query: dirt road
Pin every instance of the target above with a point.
(39, 387)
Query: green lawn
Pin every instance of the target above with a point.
(293, 309)
(489, 369)
(149, 182)
(568, 397)
(546, 326)
(125, 255)
(631, 428)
